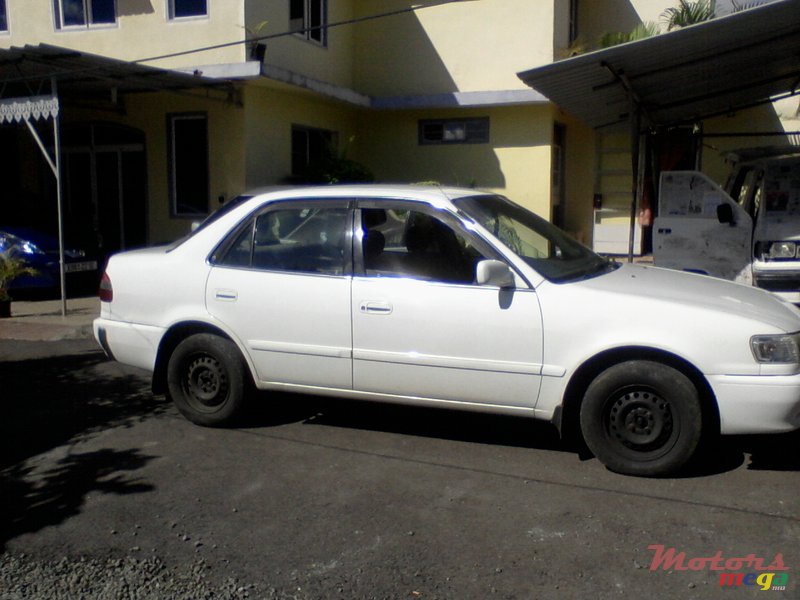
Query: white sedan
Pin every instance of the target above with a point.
(455, 298)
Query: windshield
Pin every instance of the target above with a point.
(550, 251)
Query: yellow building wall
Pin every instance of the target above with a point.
(142, 31)
(459, 46)
(270, 114)
(515, 163)
(598, 17)
(581, 164)
(226, 152)
(332, 63)
(764, 118)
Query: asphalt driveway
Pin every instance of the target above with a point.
(317, 498)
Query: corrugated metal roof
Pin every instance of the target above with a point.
(84, 75)
(685, 75)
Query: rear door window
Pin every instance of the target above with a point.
(308, 238)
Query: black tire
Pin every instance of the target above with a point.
(642, 418)
(206, 379)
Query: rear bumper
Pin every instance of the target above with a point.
(757, 404)
(129, 343)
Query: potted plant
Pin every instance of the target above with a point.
(257, 47)
(11, 267)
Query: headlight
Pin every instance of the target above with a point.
(18, 245)
(784, 348)
(776, 250)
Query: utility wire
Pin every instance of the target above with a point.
(273, 36)
(305, 30)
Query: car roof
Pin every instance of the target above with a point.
(433, 194)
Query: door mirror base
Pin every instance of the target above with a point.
(725, 214)
(494, 273)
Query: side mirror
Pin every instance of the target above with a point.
(494, 273)
(725, 214)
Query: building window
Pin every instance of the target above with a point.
(188, 164)
(3, 16)
(573, 21)
(454, 131)
(181, 9)
(309, 18)
(310, 147)
(84, 13)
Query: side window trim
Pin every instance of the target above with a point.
(221, 250)
(448, 218)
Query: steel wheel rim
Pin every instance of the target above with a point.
(206, 383)
(640, 422)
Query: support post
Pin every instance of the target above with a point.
(637, 169)
(59, 200)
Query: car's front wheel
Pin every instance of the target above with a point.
(206, 379)
(642, 418)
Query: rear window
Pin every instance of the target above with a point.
(220, 212)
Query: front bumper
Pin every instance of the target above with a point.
(783, 282)
(757, 403)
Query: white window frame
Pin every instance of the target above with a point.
(4, 12)
(58, 15)
(171, 16)
(175, 209)
(305, 22)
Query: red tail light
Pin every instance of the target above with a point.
(106, 292)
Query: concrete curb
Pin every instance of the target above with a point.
(42, 320)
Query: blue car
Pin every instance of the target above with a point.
(40, 250)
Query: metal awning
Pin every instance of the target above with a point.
(732, 62)
(81, 75)
(34, 81)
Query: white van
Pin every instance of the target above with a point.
(748, 231)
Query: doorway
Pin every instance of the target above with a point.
(105, 189)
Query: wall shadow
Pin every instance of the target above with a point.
(55, 401)
(134, 7)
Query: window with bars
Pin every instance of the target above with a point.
(309, 19)
(454, 131)
(83, 13)
(310, 146)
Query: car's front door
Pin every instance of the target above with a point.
(701, 229)
(423, 328)
(281, 284)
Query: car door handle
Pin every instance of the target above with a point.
(665, 230)
(226, 295)
(378, 308)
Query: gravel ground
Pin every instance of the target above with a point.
(25, 578)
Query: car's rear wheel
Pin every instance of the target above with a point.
(206, 379)
(642, 418)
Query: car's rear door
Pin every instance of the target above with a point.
(421, 326)
(281, 284)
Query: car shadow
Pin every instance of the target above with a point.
(717, 455)
(53, 403)
(442, 423)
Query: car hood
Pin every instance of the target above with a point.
(676, 288)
